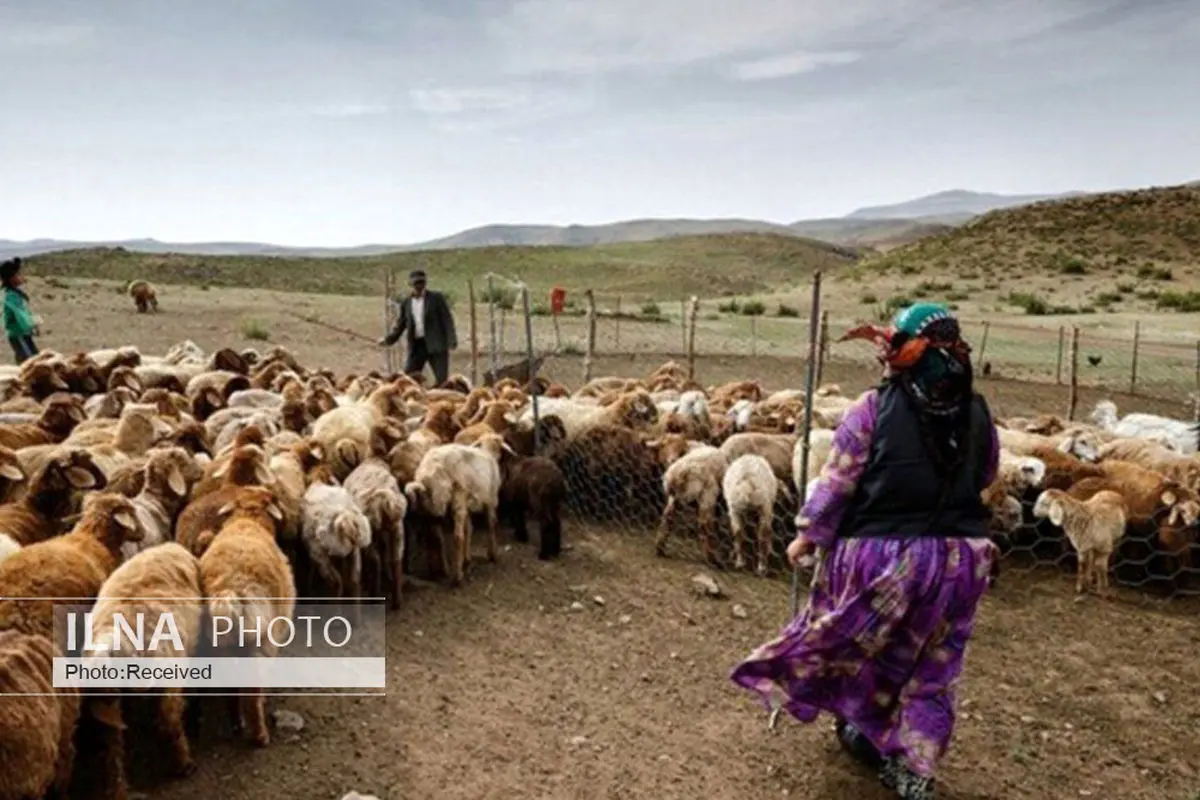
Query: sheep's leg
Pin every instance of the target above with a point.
(396, 562)
(664, 528)
(738, 525)
(107, 713)
(764, 541)
(707, 523)
(328, 573)
(1080, 570)
(170, 723)
(520, 525)
(493, 545)
(1101, 573)
(461, 541)
(254, 711)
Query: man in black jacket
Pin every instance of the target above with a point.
(426, 319)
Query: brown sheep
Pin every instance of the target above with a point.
(534, 486)
(37, 730)
(62, 413)
(73, 565)
(242, 565)
(50, 497)
(495, 419)
(202, 517)
(144, 295)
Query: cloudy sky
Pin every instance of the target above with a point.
(336, 122)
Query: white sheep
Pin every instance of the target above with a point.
(375, 489)
(820, 445)
(1179, 436)
(334, 527)
(1093, 526)
(693, 477)
(460, 480)
(750, 487)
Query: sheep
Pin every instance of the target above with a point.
(1018, 474)
(820, 445)
(610, 471)
(534, 485)
(1078, 443)
(333, 526)
(345, 432)
(245, 574)
(12, 475)
(379, 495)
(37, 720)
(109, 404)
(750, 487)
(460, 480)
(1093, 526)
(634, 409)
(161, 581)
(73, 565)
(693, 475)
(1177, 435)
(1180, 468)
(50, 497)
(1006, 510)
(199, 520)
(209, 392)
(60, 416)
(169, 475)
(495, 419)
(777, 448)
(144, 295)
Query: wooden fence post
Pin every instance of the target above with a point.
(503, 331)
(987, 328)
(533, 384)
(493, 363)
(1133, 364)
(617, 342)
(683, 326)
(822, 346)
(474, 335)
(590, 348)
(1073, 375)
(1062, 338)
(388, 361)
(693, 312)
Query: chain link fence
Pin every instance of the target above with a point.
(665, 379)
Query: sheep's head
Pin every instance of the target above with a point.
(43, 379)
(124, 377)
(457, 383)
(111, 518)
(141, 423)
(247, 465)
(1080, 445)
(255, 503)
(1049, 506)
(170, 472)
(11, 386)
(192, 437)
(250, 356)
(1104, 414)
(61, 414)
(206, 402)
(84, 375)
(663, 383)
(1030, 472)
(1006, 515)
(556, 390)
(669, 448)
(638, 409)
(388, 401)
(11, 472)
(385, 435)
(829, 390)
(167, 403)
(494, 445)
(513, 395)
(439, 418)
(228, 360)
(1046, 425)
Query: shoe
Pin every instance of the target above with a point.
(858, 746)
(904, 782)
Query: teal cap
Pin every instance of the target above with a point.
(918, 316)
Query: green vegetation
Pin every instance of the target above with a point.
(255, 331)
(1187, 302)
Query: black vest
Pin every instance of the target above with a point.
(900, 493)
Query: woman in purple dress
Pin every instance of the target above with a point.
(898, 516)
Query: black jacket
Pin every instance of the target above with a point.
(440, 336)
(900, 493)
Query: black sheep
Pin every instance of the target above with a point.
(534, 487)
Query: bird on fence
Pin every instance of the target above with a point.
(1094, 360)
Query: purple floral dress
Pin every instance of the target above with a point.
(882, 640)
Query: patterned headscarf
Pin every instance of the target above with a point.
(924, 350)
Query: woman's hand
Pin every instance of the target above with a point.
(800, 547)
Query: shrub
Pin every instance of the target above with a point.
(255, 331)
(868, 299)
(1155, 273)
(651, 309)
(1073, 266)
(957, 296)
(728, 307)
(787, 311)
(753, 308)
(1187, 302)
(898, 302)
(505, 298)
(1031, 303)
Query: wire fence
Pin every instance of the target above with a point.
(674, 385)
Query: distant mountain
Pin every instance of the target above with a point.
(638, 230)
(953, 207)
(882, 234)
(10, 248)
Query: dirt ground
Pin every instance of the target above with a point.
(500, 690)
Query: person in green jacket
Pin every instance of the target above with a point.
(19, 323)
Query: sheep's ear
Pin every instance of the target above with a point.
(126, 520)
(176, 482)
(223, 468)
(12, 472)
(654, 444)
(317, 452)
(225, 510)
(1055, 513)
(1169, 498)
(1067, 445)
(275, 512)
(1173, 517)
(507, 449)
(80, 478)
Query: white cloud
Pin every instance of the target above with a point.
(458, 101)
(350, 110)
(782, 66)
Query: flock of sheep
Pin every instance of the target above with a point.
(230, 476)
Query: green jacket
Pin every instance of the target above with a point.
(18, 319)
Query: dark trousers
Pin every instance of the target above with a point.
(23, 348)
(419, 356)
